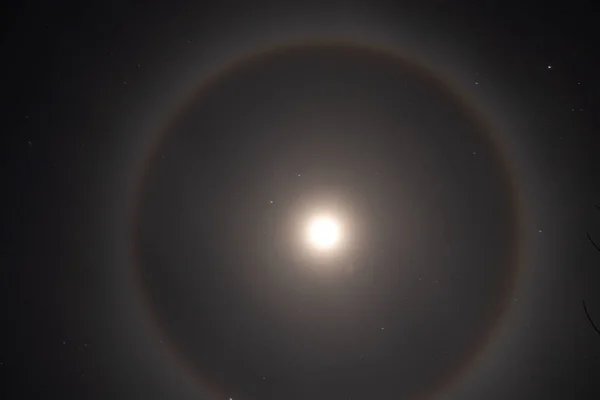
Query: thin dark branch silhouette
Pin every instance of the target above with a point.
(592, 241)
(587, 314)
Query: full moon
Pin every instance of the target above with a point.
(323, 232)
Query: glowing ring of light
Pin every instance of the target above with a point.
(469, 108)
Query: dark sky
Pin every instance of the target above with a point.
(161, 162)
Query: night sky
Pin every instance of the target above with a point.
(164, 166)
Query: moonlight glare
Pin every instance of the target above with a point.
(323, 232)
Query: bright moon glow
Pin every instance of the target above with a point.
(323, 232)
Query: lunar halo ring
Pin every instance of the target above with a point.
(205, 86)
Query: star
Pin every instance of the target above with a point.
(549, 66)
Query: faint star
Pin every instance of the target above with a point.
(382, 329)
(474, 153)
(138, 65)
(549, 66)
(271, 201)
(264, 377)
(29, 142)
(477, 83)
(579, 83)
(298, 174)
(539, 231)
(63, 342)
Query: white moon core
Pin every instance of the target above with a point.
(323, 232)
